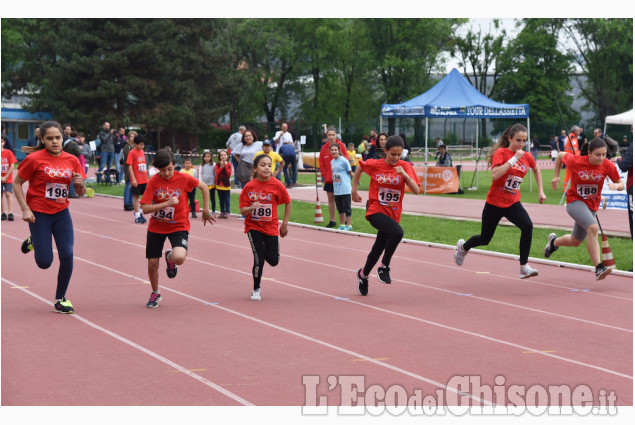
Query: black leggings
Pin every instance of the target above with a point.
(389, 234)
(517, 215)
(265, 248)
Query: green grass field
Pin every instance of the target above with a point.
(447, 231)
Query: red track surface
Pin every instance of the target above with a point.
(208, 344)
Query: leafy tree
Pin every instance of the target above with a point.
(478, 55)
(533, 70)
(604, 51)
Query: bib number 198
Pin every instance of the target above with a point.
(56, 192)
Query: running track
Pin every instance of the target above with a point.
(209, 345)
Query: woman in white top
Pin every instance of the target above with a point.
(244, 154)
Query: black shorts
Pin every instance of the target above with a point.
(155, 241)
(343, 204)
(328, 187)
(139, 189)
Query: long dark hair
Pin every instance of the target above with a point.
(594, 144)
(503, 142)
(40, 144)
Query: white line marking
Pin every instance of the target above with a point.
(150, 353)
(511, 344)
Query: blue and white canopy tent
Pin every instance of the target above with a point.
(454, 97)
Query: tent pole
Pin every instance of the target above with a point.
(476, 171)
(425, 168)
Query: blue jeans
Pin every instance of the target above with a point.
(235, 165)
(118, 157)
(60, 227)
(223, 200)
(127, 193)
(106, 159)
(289, 162)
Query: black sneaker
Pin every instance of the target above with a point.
(4, 216)
(362, 283)
(383, 274)
(11, 217)
(153, 302)
(550, 248)
(331, 224)
(128, 208)
(27, 245)
(171, 268)
(193, 214)
(601, 272)
(64, 306)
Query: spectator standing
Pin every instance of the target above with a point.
(71, 146)
(325, 169)
(232, 143)
(535, 143)
(626, 164)
(444, 159)
(288, 154)
(86, 152)
(342, 174)
(562, 139)
(244, 155)
(138, 170)
(106, 138)
(8, 159)
(127, 190)
(282, 136)
(377, 151)
(207, 174)
(276, 159)
(36, 138)
(7, 140)
(119, 142)
(223, 182)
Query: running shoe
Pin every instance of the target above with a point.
(601, 272)
(153, 302)
(64, 306)
(171, 268)
(550, 248)
(348, 228)
(27, 245)
(341, 227)
(383, 274)
(459, 253)
(4, 216)
(362, 283)
(527, 271)
(194, 215)
(255, 295)
(11, 217)
(331, 224)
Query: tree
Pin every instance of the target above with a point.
(534, 71)
(478, 56)
(604, 51)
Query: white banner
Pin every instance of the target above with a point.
(617, 200)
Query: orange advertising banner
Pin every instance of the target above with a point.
(439, 179)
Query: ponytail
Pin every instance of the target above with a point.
(503, 141)
(594, 144)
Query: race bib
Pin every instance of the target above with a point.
(263, 213)
(587, 190)
(388, 196)
(57, 192)
(166, 214)
(512, 184)
(337, 178)
(5, 168)
(143, 167)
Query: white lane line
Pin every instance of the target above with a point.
(144, 350)
(447, 327)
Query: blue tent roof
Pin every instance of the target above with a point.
(453, 97)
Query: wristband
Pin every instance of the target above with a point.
(512, 160)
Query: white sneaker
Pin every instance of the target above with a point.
(255, 295)
(526, 271)
(459, 253)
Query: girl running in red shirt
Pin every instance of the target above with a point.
(509, 166)
(50, 171)
(165, 198)
(588, 172)
(388, 179)
(258, 203)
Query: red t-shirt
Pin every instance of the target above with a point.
(49, 177)
(270, 194)
(137, 158)
(7, 159)
(587, 180)
(169, 219)
(386, 190)
(325, 160)
(505, 190)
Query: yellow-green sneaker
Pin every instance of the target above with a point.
(64, 306)
(27, 245)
